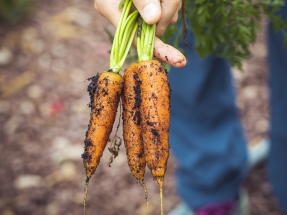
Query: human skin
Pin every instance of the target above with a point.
(160, 12)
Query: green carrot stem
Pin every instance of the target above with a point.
(128, 28)
(143, 34)
(146, 38)
(113, 57)
(123, 37)
(119, 66)
(138, 48)
(125, 15)
(145, 42)
(114, 54)
(152, 40)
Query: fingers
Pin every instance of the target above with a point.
(109, 9)
(169, 16)
(152, 13)
(174, 19)
(150, 10)
(168, 54)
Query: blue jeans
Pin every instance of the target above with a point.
(206, 136)
(277, 161)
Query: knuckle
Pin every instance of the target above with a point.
(180, 6)
(160, 31)
(174, 19)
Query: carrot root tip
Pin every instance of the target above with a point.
(146, 195)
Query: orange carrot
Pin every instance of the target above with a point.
(155, 118)
(131, 100)
(105, 92)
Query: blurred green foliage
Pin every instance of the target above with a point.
(11, 11)
(227, 28)
(224, 28)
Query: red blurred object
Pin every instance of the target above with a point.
(56, 107)
(103, 50)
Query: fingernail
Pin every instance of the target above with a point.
(179, 62)
(177, 59)
(150, 12)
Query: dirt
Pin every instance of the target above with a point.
(44, 114)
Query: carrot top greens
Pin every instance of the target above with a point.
(130, 24)
(123, 37)
(145, 40)
(225, 28)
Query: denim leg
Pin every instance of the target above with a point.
(206, 136)
(277, 161)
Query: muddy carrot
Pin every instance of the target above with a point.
(155, 115)
(155, 107)
(105, 91)
(131, 100)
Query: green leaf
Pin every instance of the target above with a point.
(227, 28)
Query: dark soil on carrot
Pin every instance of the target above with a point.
(45, 61)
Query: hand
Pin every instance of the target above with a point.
(152, 11)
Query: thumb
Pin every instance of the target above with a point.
(150, 10)
(109, 9)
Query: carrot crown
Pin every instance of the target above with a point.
(123, 37)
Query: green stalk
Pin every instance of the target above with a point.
(146, 38)
(129, 25)
(138, 48)
(114, 52)
(129, 45)
(151, 44)
(123, 37)
(125, 15)
(145, 42)
(143, 35)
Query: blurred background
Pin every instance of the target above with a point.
(47, 51)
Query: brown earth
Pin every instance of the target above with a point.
(44, 63)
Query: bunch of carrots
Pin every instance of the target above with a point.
(145, 95)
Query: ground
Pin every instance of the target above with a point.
(44, 63)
